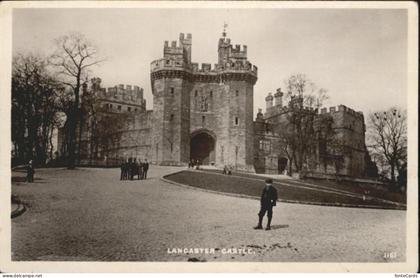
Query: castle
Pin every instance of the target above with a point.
(204, 112)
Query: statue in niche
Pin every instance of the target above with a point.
(203, 104)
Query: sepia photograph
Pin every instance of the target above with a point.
(202, 133)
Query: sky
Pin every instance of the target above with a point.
(358, 55)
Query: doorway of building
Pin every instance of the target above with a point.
(281, 165)
(202, 148)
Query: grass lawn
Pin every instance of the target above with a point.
(354, 187)
(288, 190)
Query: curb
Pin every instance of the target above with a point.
(280, 200)
(19, 211)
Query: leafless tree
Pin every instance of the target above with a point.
(298, 85)
(297, 131)
(387, 134)
(34, 108)
(73, 57)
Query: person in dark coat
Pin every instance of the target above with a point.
(145, 169)
(139, 170)
(122, 176)
(268, 201)
(124, 170)
(30, 172)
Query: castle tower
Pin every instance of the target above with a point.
(239, 77)
(171, 85)
(185, 43)
(203, 113)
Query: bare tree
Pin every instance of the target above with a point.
(298, 85)
(34, 108)
(297, 131)
(73, 57)
(387, 132)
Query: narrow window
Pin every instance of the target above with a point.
(211, 93)
(203, 119)
(236, 120)
(195, 93)
(237, 93)
(119, 107)
(135, 110)
(110, 106)
(172, 117)
(129, 109)
(172, 91)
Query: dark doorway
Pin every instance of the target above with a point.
(281, 164)
(202, 148)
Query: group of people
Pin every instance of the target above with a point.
(132, 168)
(194, 164)
(227, 170)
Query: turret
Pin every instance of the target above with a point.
(185, 43)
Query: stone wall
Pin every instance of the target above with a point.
(217, 101)
(349, 132)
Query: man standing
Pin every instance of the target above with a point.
(30, 172)
(140, 170)
(145, 169)
(268, 201)
(122, 177)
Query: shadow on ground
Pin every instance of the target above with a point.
(275, 227)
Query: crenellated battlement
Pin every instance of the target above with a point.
(168, 63)
(177, 62)
(123, 93)
(172, 49)
(185, 39)
(237, 53)
(341, 109)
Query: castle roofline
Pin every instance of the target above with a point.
(203, 68)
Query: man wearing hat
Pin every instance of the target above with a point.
(268, 201)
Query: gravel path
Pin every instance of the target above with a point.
(89, 215)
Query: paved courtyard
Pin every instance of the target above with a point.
(88, 214)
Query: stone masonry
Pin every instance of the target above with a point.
(204, 112)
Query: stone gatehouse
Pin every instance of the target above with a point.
(203, 112)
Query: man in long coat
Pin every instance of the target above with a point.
(145, 169)
(268, 201)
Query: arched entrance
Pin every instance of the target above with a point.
(281, 164)
(202, 147)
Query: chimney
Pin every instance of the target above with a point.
(278, 98)
(269, 101)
